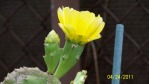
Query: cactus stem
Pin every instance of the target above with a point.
(70, 55)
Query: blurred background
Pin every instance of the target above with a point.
(25, 23)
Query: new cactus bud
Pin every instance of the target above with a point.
(80, 77)
(52, 51)
(52, 37)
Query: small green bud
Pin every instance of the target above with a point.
(52, 37)
(80, 77)
(52, 51)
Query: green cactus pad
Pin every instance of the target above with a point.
(70, 55)
(52, 51)
(30, 76)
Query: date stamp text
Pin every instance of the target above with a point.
(123, 77)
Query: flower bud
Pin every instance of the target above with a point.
(52, 37)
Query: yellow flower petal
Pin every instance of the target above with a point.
(102, 24)
(74, 18)
(80, 27)
(67, 14)
(60, 15)
(64, 30)
(97, 37)
(85, 18)
(70, 30)
(93, 28)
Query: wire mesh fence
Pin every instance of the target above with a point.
(23, 26)
(134, 14)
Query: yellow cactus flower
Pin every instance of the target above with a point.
(80, 26)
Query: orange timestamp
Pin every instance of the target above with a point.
(123, 77)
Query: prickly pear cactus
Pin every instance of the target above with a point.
(30, 76)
